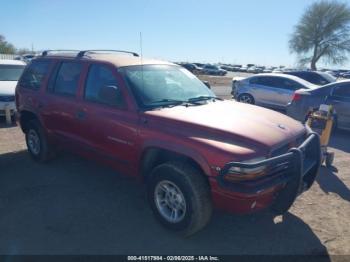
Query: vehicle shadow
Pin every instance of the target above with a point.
(330, 182)
(75, 206)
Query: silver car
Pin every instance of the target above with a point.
(270, 90)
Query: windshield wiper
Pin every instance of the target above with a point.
(203, 98)
(167, 102)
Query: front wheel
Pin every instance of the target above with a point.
(179, 196)
(246, 98)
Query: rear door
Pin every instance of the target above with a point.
(260, 88)
(271, 91)
(110, 127)
(60, 107)
(340, 99)
(285, 89)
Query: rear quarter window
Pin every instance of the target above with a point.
(35, 74)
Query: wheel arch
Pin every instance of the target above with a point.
(24, 117)
(153, 156)
(247, 94)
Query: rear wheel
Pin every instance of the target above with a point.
(246, 98)
(37, 143)
(180, 197)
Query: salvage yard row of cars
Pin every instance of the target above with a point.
(158, 122)
(295, 95)
(222, 69)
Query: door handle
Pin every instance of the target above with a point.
(80, 115)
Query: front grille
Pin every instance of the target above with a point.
(7, 98)
(285, 148)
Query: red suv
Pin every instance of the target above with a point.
(156, 121)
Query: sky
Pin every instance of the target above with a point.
(228, 31)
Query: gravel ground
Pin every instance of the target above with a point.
(76, 206)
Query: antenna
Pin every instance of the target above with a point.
(141, 57)
(141, 45)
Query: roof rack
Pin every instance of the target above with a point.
(46, 52)
(82, 53)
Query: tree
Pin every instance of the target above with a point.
(5, 47)
(322, 33)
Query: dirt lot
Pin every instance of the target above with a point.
(75, 206)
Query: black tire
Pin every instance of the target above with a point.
(196, 192)
(44, 152)
(241, 98)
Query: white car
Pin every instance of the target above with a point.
(10, 72)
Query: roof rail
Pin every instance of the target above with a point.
(82, 53)
(46, 52)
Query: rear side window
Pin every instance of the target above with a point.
(265, 81)
(67, 78)
(35, 74)
(257, 81)
(290, 84)
(276, 82)
(100, 84)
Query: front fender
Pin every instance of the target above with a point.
(180, 149)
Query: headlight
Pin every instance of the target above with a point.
(248, 171)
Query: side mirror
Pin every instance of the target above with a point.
(207, 84)
(110, 95)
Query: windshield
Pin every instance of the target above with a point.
(10, 72)
(156, 84)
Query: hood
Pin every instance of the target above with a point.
(7, 88)
(232, 121)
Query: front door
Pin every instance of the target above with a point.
(109, 128)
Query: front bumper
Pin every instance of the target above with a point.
(294, 172)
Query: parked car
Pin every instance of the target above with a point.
(341, 72)
(243, 69)
(236, 68)
(213, 70)
(314, 77)
(192, 68)
(269, 69)
(156, 121)
(26, 57)
(200, 65)
(270, 90)
(336, 94)
(10, 72)
(227, 68)
(255, 69)
(277, 70)
(346, 75)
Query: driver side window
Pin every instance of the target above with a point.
(102, 87)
